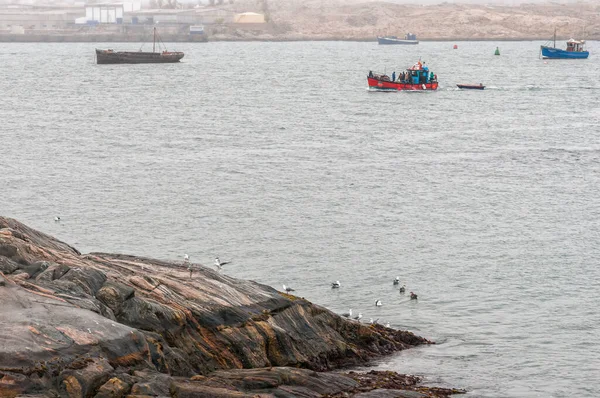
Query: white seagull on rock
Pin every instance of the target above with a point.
(186, 258)
(358, 316)
(220, 264)
(348, 314)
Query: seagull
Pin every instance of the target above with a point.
(378, 303)
(413, 296)
(387, 325)
(397, 280)
(220, 264)
(373, 322)
(402, 289)
(348, 314)
(186, 258)
(288, 289)
(335, 285)
(56, 219)
(358, 316)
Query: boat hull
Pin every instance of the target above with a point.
(470, 86)
(390, 40)
(557, 53)
(376, 84)
(130, 57)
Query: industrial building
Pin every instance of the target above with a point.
(192, 16)
(126, 19)
(19, 19)
(109, 12)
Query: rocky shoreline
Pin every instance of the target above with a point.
(108, 325)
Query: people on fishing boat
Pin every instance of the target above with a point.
(371, 74)
(394, 76)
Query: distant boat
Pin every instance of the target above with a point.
(574, 50)
(140, 57)
(416, 78)
(409, 38)
(471, 86)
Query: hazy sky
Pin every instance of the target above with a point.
(496, 2)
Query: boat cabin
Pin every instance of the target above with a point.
(575, 45)
(419, 74)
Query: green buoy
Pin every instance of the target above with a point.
(497, 51)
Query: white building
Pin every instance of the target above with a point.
(109, 12)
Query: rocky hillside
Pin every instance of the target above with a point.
(364, 20)
(105, 325)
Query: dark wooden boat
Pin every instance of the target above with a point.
(140, 57)
(471, 86)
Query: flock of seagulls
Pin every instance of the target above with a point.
(378, 303)
(334, 285)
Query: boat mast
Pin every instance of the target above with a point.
(554, 37)
(154, 40)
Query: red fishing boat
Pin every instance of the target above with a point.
(416, 78)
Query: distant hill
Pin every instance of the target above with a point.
(363, 20)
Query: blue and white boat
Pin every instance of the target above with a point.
(408, 39)
(574, 50)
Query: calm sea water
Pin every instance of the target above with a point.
(277, 157)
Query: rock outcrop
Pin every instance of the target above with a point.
(109, 325)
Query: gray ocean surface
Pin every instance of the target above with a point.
(276, 157)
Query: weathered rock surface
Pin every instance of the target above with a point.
(110, 325)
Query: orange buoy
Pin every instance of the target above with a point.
(455, 47)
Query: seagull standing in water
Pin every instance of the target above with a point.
(413, 296)
(397, 281)
(402, 289)
(336, 285)
(220, 264)
(378, 303)
(288, 289)
(347, 314)
(56, 219)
